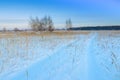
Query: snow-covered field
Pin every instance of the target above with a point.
(79, 56)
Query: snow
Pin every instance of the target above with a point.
(91, 56)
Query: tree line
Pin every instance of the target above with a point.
(46, 24)
(43, 24)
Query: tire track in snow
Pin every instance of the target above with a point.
(59, 65)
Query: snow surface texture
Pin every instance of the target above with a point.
(79, 57)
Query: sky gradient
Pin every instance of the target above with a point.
(16, 13)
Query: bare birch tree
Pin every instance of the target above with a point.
(45, 23)
(68, 24)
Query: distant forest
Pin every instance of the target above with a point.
(97, 28)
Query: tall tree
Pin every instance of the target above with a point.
(68, 24)
(50, 24)
(35, 23)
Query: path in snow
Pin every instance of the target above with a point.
(83, 57)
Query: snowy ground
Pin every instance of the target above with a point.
(93, 56)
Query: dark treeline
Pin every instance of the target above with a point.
(46, 24)
(97, 28)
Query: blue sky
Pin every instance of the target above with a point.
(82, 12)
